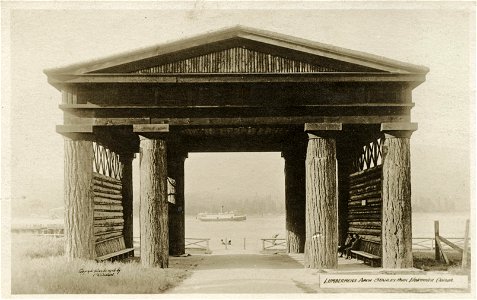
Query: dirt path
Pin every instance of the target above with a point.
(244, 273)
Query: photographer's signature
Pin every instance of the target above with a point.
(99, 272)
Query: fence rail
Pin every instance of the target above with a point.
(274, 244)
(428, 244)
(197, 243)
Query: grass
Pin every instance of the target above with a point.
(39, 267)
(425, 260)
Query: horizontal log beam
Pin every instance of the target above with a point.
(366, 183)
(100, 177)
(237, 77)
(365, 196)
(108, 214)
(90, 106)
(108, 196)
(108, 185)
(363, 217)
(104, 190)
(109, 229)
(108, 222)
(103, 237)
(107, 201)
(363, 190)
(367, 231)
(107, 207)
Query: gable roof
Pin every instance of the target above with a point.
(328, 58)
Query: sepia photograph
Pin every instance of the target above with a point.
(200, 149)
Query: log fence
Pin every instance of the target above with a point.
(274, 244)
(459, 245)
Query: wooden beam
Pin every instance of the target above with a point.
(235, 77)
(450, 244)
(323, 126)
(90, 106)
(441, 250)
(151, 128)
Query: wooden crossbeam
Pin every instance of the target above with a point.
(450, 244)
(441, 250)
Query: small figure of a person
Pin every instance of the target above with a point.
(354, 246)
(349, 240)
(230, 242)
(222, 241)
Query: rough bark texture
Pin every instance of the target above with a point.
(295, 194)
(153, 206)
(176, 215)
(79, 206)
(396, 223)
(127, 193)
(321, 205)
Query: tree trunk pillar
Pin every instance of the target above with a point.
(79, 200)
(153, 203)
(127, 194)
(396, 193)
(176, 213)
(345, 165)
(321, 198)
(295, 201)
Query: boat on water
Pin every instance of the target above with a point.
(221, 216)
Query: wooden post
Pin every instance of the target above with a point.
(127, 194)
(153, 206)
(466, 245)
(396, 194)
(295, 201)
(79, 200)
(176, 214)
(436, 235)
(321, 198)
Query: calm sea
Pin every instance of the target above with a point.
(256, 227)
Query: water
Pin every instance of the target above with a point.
(257, 227)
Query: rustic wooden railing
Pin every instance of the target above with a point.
(441, 241)
(274, 244)
(197, 243)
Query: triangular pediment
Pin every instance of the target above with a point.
(241, 50)
(238, 60)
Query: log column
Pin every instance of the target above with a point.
(176, 212)
(321, 197)
(127, 194)
(396, 193)
(295, 200)
(345, 166)
(79, 199)
(153, 202)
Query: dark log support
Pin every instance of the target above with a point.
(153, 206)
(127, 194)
(79, 200)
(176, 212)
(344, 169)
(396, 193)
(321, 201)
(295, 201)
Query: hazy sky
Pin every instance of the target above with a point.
(441, 39)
